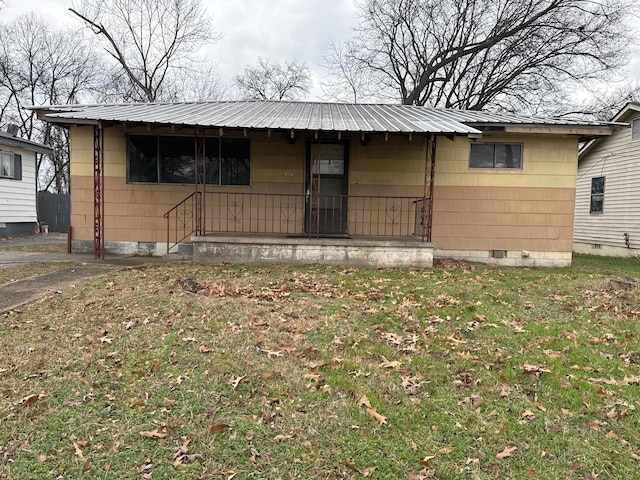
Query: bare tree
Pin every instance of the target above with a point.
(40, 65)
(478, 53)
(152, 41)
(347, 80)
(269, 80)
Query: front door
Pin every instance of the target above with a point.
(327, 188)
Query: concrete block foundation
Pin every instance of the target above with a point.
(326, 251)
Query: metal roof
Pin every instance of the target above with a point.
(256, 114)
(17, 142)
(310, 116)
(481, 118)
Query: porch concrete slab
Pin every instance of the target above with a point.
(363, 252)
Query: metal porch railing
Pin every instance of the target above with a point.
(340, 215)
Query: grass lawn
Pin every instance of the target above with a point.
(10, 274)
(197, 372)
(38, 248)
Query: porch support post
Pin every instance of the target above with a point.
(313, 225)
(199, 216)
(427, 196)
(98, 192)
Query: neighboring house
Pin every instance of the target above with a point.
(18, 184)
(267, 181)
(607, 215)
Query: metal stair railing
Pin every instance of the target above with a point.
(183, 220)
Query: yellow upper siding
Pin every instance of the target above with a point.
(548, 161)
(81, 142)
(396, 161)
(273, 159)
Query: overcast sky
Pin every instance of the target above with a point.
(282, 30)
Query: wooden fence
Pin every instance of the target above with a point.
(54, 209)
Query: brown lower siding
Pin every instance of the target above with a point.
(503, 218)
(464, 218)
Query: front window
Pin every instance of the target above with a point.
(496, 155)
(597, 195)
(171, 159)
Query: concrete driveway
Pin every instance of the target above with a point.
(16, 294)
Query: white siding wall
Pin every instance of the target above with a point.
(617, 158)
(18, 197)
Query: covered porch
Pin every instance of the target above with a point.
(236, 227)
(333, 219)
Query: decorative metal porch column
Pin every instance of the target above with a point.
(314, 191)
(427, 200)
(98, 192)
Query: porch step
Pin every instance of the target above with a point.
(184, 253)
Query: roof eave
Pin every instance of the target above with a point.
(69, 121)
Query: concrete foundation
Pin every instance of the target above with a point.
(606, 250)
(11, 229)
(512, 258)
(327, 251)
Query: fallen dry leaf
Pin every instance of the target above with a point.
(234, 382)
(506, 452)
(282, 438)
(364, 401)
(78, 451)
(314, 377)
(395, 364)
(380, 418)
(528, 415)
(221, 427)
(30, 400)
(155, 433)
(535, 370)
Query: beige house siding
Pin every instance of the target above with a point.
(134, 212)
(617, 158)
(514, 210)
(474, 210)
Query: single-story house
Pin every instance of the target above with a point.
(607, 214)
(18, 214)
(334, 183)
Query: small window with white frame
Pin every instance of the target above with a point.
(502, 156)
(10, 165)
(6, 164)
(597, 195)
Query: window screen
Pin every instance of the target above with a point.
(597, 195)
(496, 155)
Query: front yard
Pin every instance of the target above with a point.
(198, 372)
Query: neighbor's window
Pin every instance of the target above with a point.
(10, 165)
(171, 159)
(496, 155)
(635, 129)
(597, 195)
